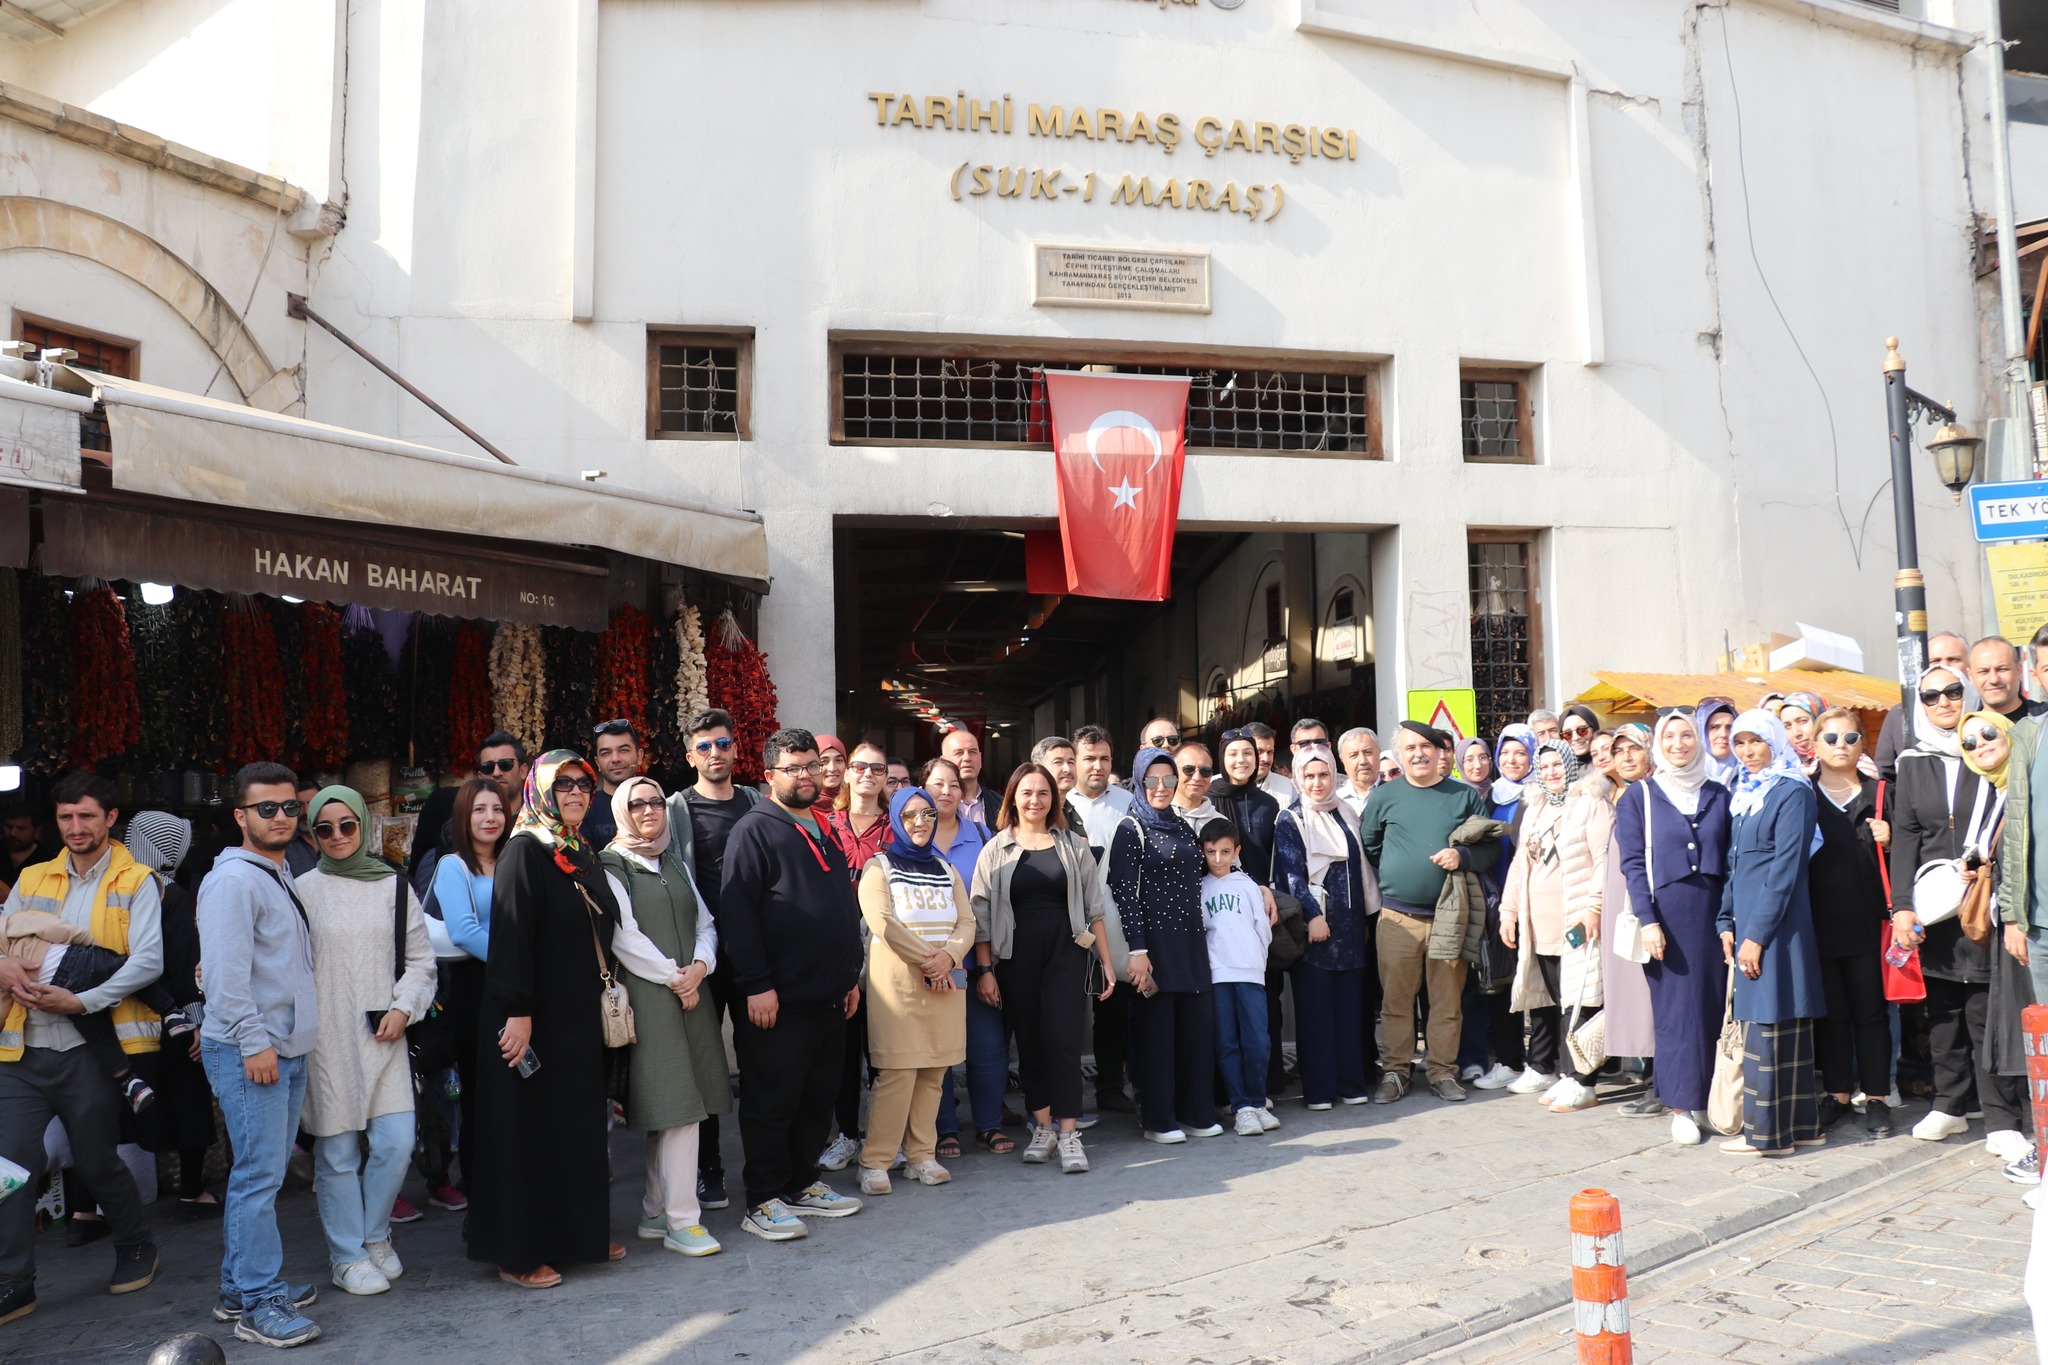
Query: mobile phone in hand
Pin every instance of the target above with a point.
(1575, 937)
(528, 1062)
(376, 1019)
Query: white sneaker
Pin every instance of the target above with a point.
(1073, 1158)
(1569, 1096)
(1043, 1140)
(1499, 1078)
(1937, 1126)
(1685, 1129)
(2032, 1198)
(1213, 1130)
(1248, 1124)
(2008, 1145)
(385, 1259)
(1169, 1137)
(1319, 1108)
(1268, 1120)
(873, 1181)
(839, 1153)
(360, 1277)
(928, 1173)
(1547, 1096)
(1472, 1073)
(1530, 1081)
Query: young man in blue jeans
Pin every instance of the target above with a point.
(261, 1022)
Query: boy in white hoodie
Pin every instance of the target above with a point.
(1239, 929)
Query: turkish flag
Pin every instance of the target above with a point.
(1117, 441)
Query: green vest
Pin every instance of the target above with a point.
(678, 1074)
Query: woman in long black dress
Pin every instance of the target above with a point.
(538, 1189)
(182, 1119)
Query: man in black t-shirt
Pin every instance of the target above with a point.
(708, 812)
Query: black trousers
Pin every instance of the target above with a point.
(1042, 980)
(1956, 1017)
(1276, 1065)
(68, 1085)
(710, 1159)
(789, 1077)
(852, 1072)
(1173, 1055)
(1855, 1037)
(1112, 1042)
(1547, 1052)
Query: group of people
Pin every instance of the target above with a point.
(574, 940)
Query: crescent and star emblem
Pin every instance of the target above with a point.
(1126, 495)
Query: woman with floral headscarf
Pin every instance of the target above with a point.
(1799, 714)
(1672, 833)
(1514, 757)
(1945, 809)
(539, 1190)
(1534, 921)
(1767, 934)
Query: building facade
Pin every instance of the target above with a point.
(1526, 336)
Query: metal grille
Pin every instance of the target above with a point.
(1491, 413)
(945, 400)
(1501, 647)
(94, 353)
(698, 390)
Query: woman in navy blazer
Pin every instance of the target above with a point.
(1672, 831)
(1767, 932)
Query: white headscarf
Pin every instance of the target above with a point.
(1322, 831)
(1680, 785)
(1929, 737)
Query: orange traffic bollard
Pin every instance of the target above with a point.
(1600, 1279)
(2034, 1028)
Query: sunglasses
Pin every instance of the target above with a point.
(496, 765)
(1232, 736)
(1161, 782)
(1842, 737)
(1953, 692)
(1164, 741)
(920, 817)
(613, 727)
(705, 746)
(865, 767)
(270, 810)
(1983, 733)
(1195, 770)
(574, 784)
(1573, 730)
(327, 829)
(645, 803)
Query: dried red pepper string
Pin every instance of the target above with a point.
(253, 680)
(106, 711)
(736, 676)
(623, 651)
(325, 724)
(469, 695)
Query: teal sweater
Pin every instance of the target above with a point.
(1404, 825)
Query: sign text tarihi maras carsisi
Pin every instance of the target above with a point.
(1217, 138)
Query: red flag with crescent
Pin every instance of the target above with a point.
(1118, 442)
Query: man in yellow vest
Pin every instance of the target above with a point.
(45, 1070)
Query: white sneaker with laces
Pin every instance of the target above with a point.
(1073, 1157)
(1555, 1090)
(2008, 1144)
(1248, 1124)
(360, 1277)
(873, 1181)
(1473, 1073)
(1499, 1078)
(1268, 1120)
(1212, 1130)
(1043, 1140)
(928, 1173)
(1169, 1137)
(1570, 1095)
(1530, 1081)
(1938, 1127)
(385, 1258)
(839, 1153)
(1685, 1129)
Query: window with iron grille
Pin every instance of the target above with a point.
(698, 385)
(890, 397)
(116, 358)
(1494, 416)
(1506, 645)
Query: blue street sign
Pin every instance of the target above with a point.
(2009, 511)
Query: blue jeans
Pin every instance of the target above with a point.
(988, 1070)
(261, 1120)
(355, 1194)
(1241, 1041)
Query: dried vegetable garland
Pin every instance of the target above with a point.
(425, 667)
(160, 683)
(469, 696)
(195, 626)
(253, 680)
(291, 665)
(664, 745)
(622, 661)
(372, 688)
(519, 684)
(693, 693)
(323, 729)
(10, 662)
(106, 717)
(572, 688)
(46, 688)
(737, 675)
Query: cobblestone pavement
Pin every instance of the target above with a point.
(1358, 1235)
(1928, 1271)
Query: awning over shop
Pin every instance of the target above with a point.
(39, 436)
(1625, 692)
(175, 445)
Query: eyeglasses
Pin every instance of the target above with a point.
(326, 829)
(1953, 692)
(487, 766)
(1196, 770)
(613, 727)
(1164, 741)
(1161, 782)
(1300, 744)
(270, 810)
(897, 783)
(1842, 737)
(920, 817)
(811, 769)
(645, 803)
(574, 784)
(1982, 733)
(705, 746)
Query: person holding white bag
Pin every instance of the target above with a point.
(1557, 970)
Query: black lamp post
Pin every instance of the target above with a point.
(1955, 460)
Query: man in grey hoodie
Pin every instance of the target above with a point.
(261, 1022)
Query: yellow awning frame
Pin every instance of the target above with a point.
(1625, 693)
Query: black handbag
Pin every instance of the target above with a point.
(1290, 934)
(429, 1042)
(1496, 959)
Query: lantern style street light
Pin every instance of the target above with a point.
(1955, 462)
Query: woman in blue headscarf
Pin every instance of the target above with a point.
(1766, 926)
(1155, 877)
(1514, 755)
(921, 931)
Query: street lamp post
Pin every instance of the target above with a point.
(1955, 460)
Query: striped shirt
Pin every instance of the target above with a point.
(921, 897)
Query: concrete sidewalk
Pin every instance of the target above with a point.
(1359, 1235)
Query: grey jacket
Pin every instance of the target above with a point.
(995, 922)
(2015, 851)
(256, 959)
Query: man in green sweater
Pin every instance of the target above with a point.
(1406, 834)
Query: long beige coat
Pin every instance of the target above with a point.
(352, 1077)
(910, 1025)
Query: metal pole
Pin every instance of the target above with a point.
(2018, 400)
(1909, 588)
